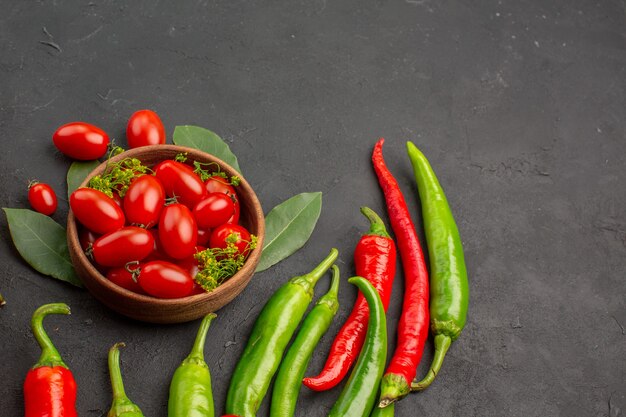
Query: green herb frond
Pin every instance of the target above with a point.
(118, 176)
(216, 265)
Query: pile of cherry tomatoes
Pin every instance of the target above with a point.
(167, 231)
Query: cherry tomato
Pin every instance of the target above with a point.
(144, 201)
(219, 184)
(42, 198)
(86, 238)
(180, 181)
(213, 210)
(157, 252)
(203, 237)
(234, 219)
(144, 128)
(190, 264)
(118, 200)
(122, 246)
(178, 231)
(96, 211)
(81, 141)
(122, 277)
(221, 233)
(165, 280)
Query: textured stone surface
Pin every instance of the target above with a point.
(520, 106)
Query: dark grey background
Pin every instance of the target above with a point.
(519, 105)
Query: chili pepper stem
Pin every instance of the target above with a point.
(308, 281)
(330, 298)
(377, 227)
(393, 388)
(121, 405)
(442, 343)
(49, 354)
(117, 383)
(197, 351)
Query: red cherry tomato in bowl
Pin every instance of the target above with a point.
(144, 201)
(86, 238)
(213, 210)
(219, 184)
(234, 219)
(231, 233)
(122, 246)
(178, 232)
(180, 181)
(42, 198)
(203, 237)
(165, 280)
(124, 278)
(81, 141)
(144, 128)
(96, 211)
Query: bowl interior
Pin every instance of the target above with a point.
(146, 308)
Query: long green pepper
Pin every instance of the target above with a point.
(449, 289)
(191, 394)
(360, 392)
(387, 411)
(289, 378)
(268, 340)
(122, 406)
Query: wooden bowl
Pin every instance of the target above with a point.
(156, 310)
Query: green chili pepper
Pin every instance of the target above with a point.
(289, 378)
(387, 411)
(2, 302)
(449, 289)
(122, 406)
(270, 335)
(190, 390)
(359, 394)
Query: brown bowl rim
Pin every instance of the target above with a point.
(251, 262)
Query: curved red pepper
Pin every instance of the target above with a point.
(49, 388)
(375, 260)
(414, 320)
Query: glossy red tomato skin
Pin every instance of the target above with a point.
(190, 264)
(42, 198)
(86, 238)
(178, 232)
(125, 245)
(219, 184)
(96, 211)
(234, 219)
(121, 277)
(144, 201)
(180, 181)
(145, 128)
(213, 210)
(220, 233)
(203, 237)
(82, 141)
(164, 279)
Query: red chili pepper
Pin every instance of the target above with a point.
(375, 260)
(414, 320)
(49, 388)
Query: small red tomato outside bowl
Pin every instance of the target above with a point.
(156, 310)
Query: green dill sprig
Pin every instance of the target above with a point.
(216, 265)
(118, 176)
(205, 171)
